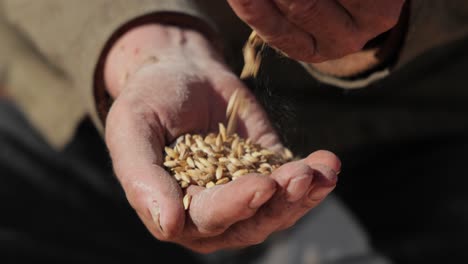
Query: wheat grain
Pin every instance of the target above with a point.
(186, 201)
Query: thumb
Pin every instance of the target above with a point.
(135, 142)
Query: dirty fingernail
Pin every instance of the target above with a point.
(155, 214)
(297, 187)
(323, 171)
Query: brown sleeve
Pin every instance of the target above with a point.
(427, 24)
(72, 35)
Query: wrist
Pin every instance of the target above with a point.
(150, 44)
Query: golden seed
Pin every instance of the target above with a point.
(240, 151)
(231, 168)
(199, 165)
(190, 162)
(236, 162)
(170, 152)
(177, 176)
(240, 173)
(170, 164)
(185, 178)
(204, 162)
(184, 184)
(182, 151)
(207, 150)
(187, 199)
(223, 160)
(188, 140)
(265, 152)
(178, 169)
(219, 141)
(235, 143)
(219, 172)
(210, 184)
(200, 143)
(265, 165)
(256, 154)
(222, 181)
(287, 154)
(246, 163)
(201, 183)
(231, 102)
(250, 158)
(212, 160)
(222, 131)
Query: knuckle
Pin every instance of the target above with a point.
(211, 228)
(303, 11)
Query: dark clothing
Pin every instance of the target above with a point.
(404, 148)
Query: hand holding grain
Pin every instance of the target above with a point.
(185, 88)
(318, 30)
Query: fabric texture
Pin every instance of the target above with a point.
(56, 45)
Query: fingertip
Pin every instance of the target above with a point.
(290, 170)
(326, 158)
(172, 218)
(263, 188)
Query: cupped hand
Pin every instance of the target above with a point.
(185, 89)
(318, 30)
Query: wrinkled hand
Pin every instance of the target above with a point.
(186, 89)
(318, 30)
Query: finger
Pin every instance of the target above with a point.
(326, 158)
(213, 210)
(326, 167)
(329, 22)
(269, 217)
(374, 17)
(275, 29)
(135, 144)
(313, 185)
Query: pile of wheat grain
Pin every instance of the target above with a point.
(218, 159)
